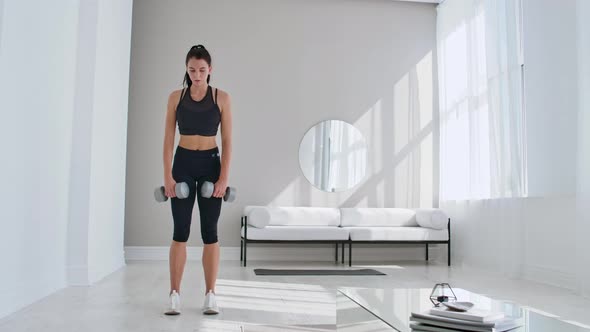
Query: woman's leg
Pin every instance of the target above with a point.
(177, 263)
(210, 265)
(182, 211)
(209, 211)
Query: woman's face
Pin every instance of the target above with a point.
(198, 70)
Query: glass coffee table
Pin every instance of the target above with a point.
(376, 310)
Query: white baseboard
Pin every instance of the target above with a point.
(267, 252)
(550, 276)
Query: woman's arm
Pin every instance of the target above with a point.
(169, 132)
(226, 143)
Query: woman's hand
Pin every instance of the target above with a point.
(219, 188)
(170, 186)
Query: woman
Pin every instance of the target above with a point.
(199, 109)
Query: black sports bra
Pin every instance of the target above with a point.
(198, 117)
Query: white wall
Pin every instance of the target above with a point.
(98, 176)
(551, 96)
(583, 193)
(53, 145)
(109, 138)
(36, 99)
(288, 65)
(77, 262)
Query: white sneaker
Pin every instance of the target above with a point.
(174, 306)
(210, 306)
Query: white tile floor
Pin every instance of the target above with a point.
(133, 298)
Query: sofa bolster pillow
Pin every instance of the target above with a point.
(432, 218)
(258, 216)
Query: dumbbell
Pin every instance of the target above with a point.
(207, 192)
(182, 191)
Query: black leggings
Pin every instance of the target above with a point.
(195, 167)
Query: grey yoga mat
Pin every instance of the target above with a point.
(301, 272)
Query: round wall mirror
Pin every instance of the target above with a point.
(333, 156)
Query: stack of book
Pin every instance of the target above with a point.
(445, 320)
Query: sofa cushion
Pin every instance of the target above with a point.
(396, 234)
(293, 233)
(261, 216)
(362, 217)
(432, 218)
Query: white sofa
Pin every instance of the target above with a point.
(341, 226)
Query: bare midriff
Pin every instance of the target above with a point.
(197, 142)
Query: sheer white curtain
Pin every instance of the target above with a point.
(482, 146)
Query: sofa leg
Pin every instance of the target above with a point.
(336, 253)
(427, 252)
(349, 253)
(449, 253)
(245, 255)
(343, 245)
